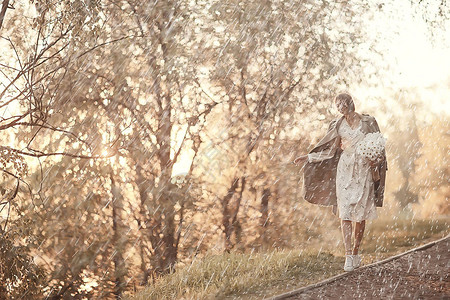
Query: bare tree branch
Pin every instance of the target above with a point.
(3, 11)
(37, 153)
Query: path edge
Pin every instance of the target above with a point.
(334, 278)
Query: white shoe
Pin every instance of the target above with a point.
(356, 261)
(348, 266)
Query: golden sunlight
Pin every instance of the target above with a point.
(416, 64)
(184, 160)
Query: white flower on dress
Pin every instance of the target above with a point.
(372, 146)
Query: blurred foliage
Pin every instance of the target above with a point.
(433, 172)
(435, 13)
(20, 277)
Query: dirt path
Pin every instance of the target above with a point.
(422, 274)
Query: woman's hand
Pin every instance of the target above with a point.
(375, 163)
(300, 159)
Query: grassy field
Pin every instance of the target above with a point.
(259, 275)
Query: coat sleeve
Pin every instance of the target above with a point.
(375, 125)
(319, 155)
(382, 168)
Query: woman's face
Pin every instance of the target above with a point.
(342, 106)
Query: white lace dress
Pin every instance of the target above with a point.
(354, 184)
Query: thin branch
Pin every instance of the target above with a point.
(106, 43)
(37, 153)
(3, 11)
(9, 67)
(21, 180)
(14, 122)
(51, 127)
(14, 98)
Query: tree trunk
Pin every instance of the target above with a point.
(235, 224)
(118, 240)
(230, 222)
(265, 207)
(170, 251)
(152, 223)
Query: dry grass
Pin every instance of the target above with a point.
(259, 275)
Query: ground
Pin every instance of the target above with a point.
(422, 274)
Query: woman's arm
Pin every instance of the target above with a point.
(301, 159)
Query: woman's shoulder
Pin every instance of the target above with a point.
(334, 122)
(370, 121)
(367, 117)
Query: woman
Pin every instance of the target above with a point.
(335, 175)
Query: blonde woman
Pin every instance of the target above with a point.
(336, 175)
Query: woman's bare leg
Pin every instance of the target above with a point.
(347, 235)
(359, 232)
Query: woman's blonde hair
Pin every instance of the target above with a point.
(346, 98)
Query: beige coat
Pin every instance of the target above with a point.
(319, 178)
